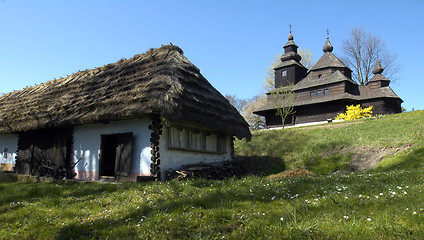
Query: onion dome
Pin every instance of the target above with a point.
(290, 50)
(378, 69)
(327, 46)
(290, 36)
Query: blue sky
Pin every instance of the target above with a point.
(232, 42)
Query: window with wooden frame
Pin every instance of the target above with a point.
(222, 144)
(326, 92)
(196, 140)
(177, 138)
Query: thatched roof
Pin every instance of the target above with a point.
(160, 82)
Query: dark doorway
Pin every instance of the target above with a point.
(116, 154)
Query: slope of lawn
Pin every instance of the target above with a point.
(384, 203)
(395, 140)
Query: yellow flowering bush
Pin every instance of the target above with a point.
(355, 112)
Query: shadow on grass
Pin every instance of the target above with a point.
(28, 192)
(153, 220)
(156, 219)
(259, 165)
(411, 160)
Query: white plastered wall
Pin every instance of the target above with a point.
(87, 139)
(174, 159)
(7, 159)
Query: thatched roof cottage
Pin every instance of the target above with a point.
(136, 117)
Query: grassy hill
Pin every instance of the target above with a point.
(389, 142)
(338, 202)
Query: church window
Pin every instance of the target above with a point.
(326, 92)
(284, 73)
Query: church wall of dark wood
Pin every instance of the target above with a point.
(334, 89)
(384, 106)
(294, 75)
(320, 73)
(319, 112)
(275, 121)
(329, 110)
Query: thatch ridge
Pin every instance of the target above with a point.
(160, 82)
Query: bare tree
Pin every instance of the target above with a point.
(239, 104)
(361, 51)
(253, 104)
(284, 100)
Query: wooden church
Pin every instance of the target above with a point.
(326, 89)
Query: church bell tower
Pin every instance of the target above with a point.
(290, 71)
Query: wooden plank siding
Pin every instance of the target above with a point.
(304, 95)
(47, 147)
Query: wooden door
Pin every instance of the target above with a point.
(123, 154)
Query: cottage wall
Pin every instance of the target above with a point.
(8, 142)
(87, 141)
(171, 158)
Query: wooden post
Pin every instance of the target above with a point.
(156, 128)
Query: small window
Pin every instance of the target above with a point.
(284, 73)
(222, 147)
(326, 92)
(178, 138)
(195, 140)
(319, 93)
(320, 76)
(312, 94)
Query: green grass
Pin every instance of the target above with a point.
(385, 203)
(325, 149)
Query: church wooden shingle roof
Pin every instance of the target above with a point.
(310, 82)
(161, 82)
(328, 60)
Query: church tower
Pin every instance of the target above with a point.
(378, 80)
(290, 71)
